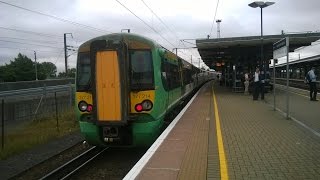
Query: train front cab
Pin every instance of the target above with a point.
(101, 96)
(115, 102)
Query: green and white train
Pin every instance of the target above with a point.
(126, 85)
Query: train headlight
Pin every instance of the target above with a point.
(82, 106)
(147, 105)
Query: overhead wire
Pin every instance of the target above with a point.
(31, 32)
(160, 19)
(145, 23)
(215, 13)
(176, 36)
(56, 17)
(25, 49)
(59, 56)
(48, 42)
(30, 44)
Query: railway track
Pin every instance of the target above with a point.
(297, 83)
(75, 164)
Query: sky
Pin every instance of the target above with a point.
(181, 22)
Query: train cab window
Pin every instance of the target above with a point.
(83, 71)
(141, 68)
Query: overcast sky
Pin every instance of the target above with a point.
(186, 19)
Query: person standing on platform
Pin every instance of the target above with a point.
(312, 84)
(262, 78)
(246, 83)
(256, 84)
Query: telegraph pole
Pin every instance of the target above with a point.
(35, 59)
(65, 51)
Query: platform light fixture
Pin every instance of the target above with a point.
(261, 5)
(128, 30)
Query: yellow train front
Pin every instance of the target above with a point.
(126, 85)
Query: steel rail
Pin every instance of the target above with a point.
(74, 164)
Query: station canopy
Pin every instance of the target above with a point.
(216, 53)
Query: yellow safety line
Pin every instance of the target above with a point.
(222, 156)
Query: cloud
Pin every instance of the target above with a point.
(188, 20)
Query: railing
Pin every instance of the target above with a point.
(9, 86)
(34, 91)
(297, 83)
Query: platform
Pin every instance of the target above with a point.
(226, 135)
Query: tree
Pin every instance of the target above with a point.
(22, 68)
(49, 68)
(71, 73)
(7, 74)
(41, 72)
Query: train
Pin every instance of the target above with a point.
(127, 85)
(297, 72)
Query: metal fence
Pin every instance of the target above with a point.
(19, 107)
(28, 104)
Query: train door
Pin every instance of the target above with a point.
(108, 86)
(182, 76)
(110, 77)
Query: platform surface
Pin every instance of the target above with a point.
(233, 137)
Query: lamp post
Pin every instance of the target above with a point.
(261, 5)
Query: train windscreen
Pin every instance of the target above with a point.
(83, 72)
(141, 66)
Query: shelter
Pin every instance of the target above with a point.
(234, 55)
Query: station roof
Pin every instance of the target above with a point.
(217, 52)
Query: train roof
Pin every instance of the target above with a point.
(304, 60)
(134, 41)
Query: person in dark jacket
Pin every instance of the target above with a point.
(256, 84)
(313, 85)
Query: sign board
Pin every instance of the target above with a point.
(280, 48)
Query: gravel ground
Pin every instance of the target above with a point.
(113, 164)
(23, 162)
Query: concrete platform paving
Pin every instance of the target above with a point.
(258, 143)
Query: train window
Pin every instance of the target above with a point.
(141, 75)
(187, 76)
(164, 75)
(171, 80)
(83, 71)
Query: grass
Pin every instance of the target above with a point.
(38, 132)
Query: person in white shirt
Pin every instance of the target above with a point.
(262, 78)
(256, 84)
(246, 83)
(313, 85)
